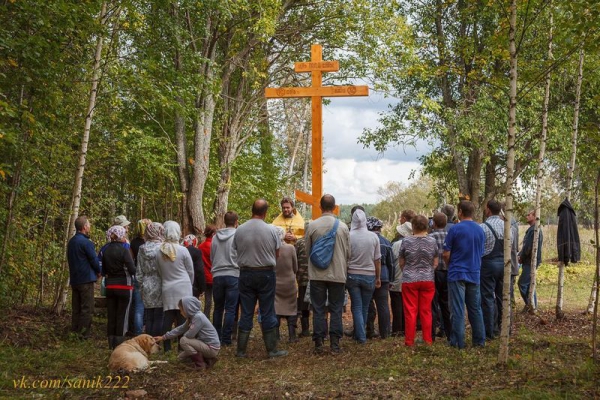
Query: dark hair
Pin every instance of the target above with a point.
(420, 223)
(467, 208)
(448, 210)
(408, 215)
(230, 218)
(327, 202)
(260, 207)
(80, 223)
(210, 230)
(440, 220)
(286, 200)
(494, 206)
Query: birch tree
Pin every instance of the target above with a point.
(570, 172)
(60, 297)
(512, 127)
(597, 273)
(540, 175)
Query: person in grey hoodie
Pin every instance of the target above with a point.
(200, 341)
(226, 273)
(364, 269)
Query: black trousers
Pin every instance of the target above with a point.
(441, 289)
(82, 306)
(169, 317)
(118, 302)
(397, 313)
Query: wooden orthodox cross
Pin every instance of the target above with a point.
(316, 92)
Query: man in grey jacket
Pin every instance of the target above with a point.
(327, 285)
(226, 273)
(257, 246)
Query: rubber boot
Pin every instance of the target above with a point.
(305, 327)
(198, 361)
(242, 343)
(318, 346)
(270, 338)
(119, 340)
(335, 344)
(292, 334)
(111, 342)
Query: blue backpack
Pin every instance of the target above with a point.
(321, 251)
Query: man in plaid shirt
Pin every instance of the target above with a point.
(441, 273)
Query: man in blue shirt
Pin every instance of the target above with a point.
(463, 249)
(84, 271)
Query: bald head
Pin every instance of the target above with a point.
(327, 203)
(260, 208)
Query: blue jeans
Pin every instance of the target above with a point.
(524, 283)
(137, 310)
(380, 306)
(461, 293)
(225, 294)
(327, 296)
(360, 288)
(257, 286)
(492, 281)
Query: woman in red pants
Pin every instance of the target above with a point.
(418, 261)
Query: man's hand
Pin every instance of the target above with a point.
(377, 283)
(158, 339)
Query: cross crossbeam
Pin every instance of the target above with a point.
(316, 66)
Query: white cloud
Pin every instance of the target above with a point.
(351, 181)
(353, 174)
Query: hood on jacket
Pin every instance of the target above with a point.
(565, 204)
(359, 220)
(224, 234)
(191, 305)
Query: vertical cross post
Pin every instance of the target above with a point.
(316, 92)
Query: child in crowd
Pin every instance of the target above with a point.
(200, 341)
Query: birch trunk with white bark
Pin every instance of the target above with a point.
(60, 296)
(571, 170)
(540, 176)
(510, 161)
(597, 274)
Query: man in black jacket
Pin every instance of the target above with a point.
(84, 271)
(525, 259)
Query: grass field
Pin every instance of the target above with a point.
(547, 360)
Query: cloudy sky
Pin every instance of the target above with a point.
(352, 173)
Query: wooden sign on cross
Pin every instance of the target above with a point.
(316, 66)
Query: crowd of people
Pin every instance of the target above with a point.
(423, 279)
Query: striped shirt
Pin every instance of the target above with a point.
(418, 253)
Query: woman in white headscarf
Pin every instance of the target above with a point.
(176, 270)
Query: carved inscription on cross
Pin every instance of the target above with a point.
(316, 66)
